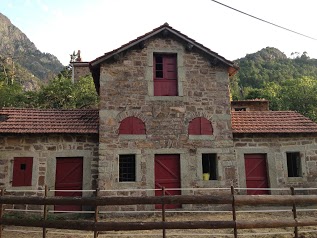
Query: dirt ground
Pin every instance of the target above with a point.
(304, 232)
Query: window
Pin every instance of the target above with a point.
(293, 164)
(237, 109)
(165, 75)
(22, 171)
(209, 162)
(126, 168)
(200, 126)
(132, 126)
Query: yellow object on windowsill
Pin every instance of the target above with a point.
(206, 176)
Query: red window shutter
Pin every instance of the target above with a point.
(165, 75)
(138, 126)
(22, 171)
(170, 67)
(126, 126)
(200, 126)
(194, 127)
(132, 126)
(206, 128)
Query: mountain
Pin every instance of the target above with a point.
(271, 65)
(20, 58)
(288, 83)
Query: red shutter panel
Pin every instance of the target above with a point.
(206, 128)
(126, 126)
(194, 127)
(170, 67)
(132, 126)
(22, 171)
(200, 126)
(170, 75)
(138, 126)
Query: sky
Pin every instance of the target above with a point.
(95, 27)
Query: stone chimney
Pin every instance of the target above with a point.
(79, 68)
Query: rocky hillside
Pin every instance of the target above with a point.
(20, 58)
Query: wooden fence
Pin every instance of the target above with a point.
(99, 226)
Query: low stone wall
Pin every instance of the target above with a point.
(44, 149)
(275, 147)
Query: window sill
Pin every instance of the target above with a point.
(201, 137)
(295, 179)
(132, 137)
(166, 98)
(209, 183)
(22, 188)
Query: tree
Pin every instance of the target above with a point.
(12, 95)
(57, 94)
(301, 95)
(85, 94)
(61, 93)
(292, 94)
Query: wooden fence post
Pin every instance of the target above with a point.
(1, 211)
(163, 213)
(234, 215)
(294, 214)
(96, 214)
(45, 211)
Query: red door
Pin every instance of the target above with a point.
(256, 173)
(69, 176)
(167, 175)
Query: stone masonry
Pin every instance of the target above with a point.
(126, 89)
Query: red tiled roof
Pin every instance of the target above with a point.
(49, 121)
(233, 68)
(271, 122)
(79, 121)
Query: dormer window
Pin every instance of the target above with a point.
(165, 75)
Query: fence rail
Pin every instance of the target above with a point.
(98, 226)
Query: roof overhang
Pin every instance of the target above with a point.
(232, 68)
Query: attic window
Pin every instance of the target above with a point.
(3, 117)
(237, 109)
(165, 75)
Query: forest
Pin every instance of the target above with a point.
(58, 93)
(288, 83)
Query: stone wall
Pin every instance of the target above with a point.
(44, 149)
(275, 148)
(126, 89)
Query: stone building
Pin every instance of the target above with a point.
(165, 120)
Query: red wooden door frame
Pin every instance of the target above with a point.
(256, 173)
(69, 176)
(167, 174)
